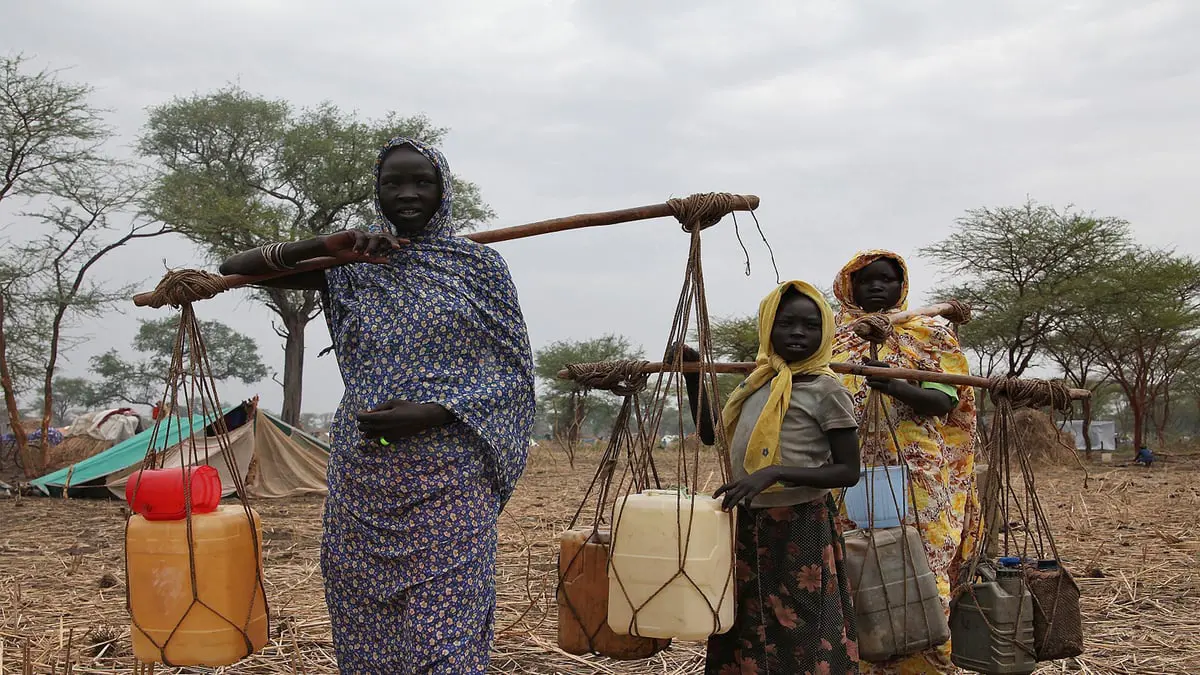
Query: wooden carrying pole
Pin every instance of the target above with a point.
(740, 203)
(944, 309)
(744, 368)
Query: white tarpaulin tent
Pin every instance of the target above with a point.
(113, 425)
(1103, 433)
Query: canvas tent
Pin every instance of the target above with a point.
(273, 458)
(1103, 433)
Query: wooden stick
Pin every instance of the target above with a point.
(744, 203)
(845, 369)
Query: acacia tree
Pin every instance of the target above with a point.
(569, 407)
(1014, 266)
(1143, 320)
(230, 354)
(1073, 349)
(735, 337)
(50, 150)
(73, 394)
(84, 200)
(239, 170)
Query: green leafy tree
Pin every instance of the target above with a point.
(232, 356)
(735, 338)
(1072, 348)
(239, 170)
(73, 395)
(51, 141)
(1015, 266)
(569, 410)
(1142, 319)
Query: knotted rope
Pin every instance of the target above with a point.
(1030, 393)
(703, 210)
(183, 287)
(959, 314)
(874, 328)
(623, 378)
(877, 328)
(1009, 505)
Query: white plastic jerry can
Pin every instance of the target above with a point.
(671, 566)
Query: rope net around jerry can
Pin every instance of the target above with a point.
(644, 602)
(1014, 530)
(195, 590)
(583, 558)
(899, 611)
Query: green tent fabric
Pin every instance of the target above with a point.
(124, 454)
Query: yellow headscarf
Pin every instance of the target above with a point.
(763, 448)
(843, 285)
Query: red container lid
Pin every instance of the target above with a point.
(158, 494)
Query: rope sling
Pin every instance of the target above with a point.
(896, 633)
(1010, 506)
(1057, 630)
(627, 466)
(190, 387)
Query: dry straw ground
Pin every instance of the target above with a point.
(1130, 535)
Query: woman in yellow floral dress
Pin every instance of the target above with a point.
(935, 422)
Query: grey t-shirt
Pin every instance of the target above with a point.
(816, 407)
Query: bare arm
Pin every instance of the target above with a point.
(353, 245)
(703, 418)
(252, 263)
(927, 402)
(842, 471)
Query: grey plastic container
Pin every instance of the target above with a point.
(895, 594)
(992, 625)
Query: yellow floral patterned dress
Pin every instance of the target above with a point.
(940, 452)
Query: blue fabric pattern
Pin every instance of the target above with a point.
(410, 529)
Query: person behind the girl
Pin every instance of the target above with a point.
(935, 427)
(793, 437)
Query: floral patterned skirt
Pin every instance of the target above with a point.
(794, 612)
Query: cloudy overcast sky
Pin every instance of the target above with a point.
(860, 124)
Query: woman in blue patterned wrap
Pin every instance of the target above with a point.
(433, 429)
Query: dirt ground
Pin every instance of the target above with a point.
(1130, 536)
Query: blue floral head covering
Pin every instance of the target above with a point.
(440, 224)
(440, 322)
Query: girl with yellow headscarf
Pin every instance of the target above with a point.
(935, 423)
(793, 438)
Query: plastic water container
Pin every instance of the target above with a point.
(158, 494)
(880, 499)
(896, 601)
(583, 601)
(161, 592)
(992, 625)
(647, 596)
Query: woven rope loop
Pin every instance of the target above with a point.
(183, 287)
(703, 210)
(1031, 393)
(874, 328)
(623, 378)
(959, 314)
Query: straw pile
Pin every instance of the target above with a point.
(1131, 537)
(73, 449)
(1045, 442)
